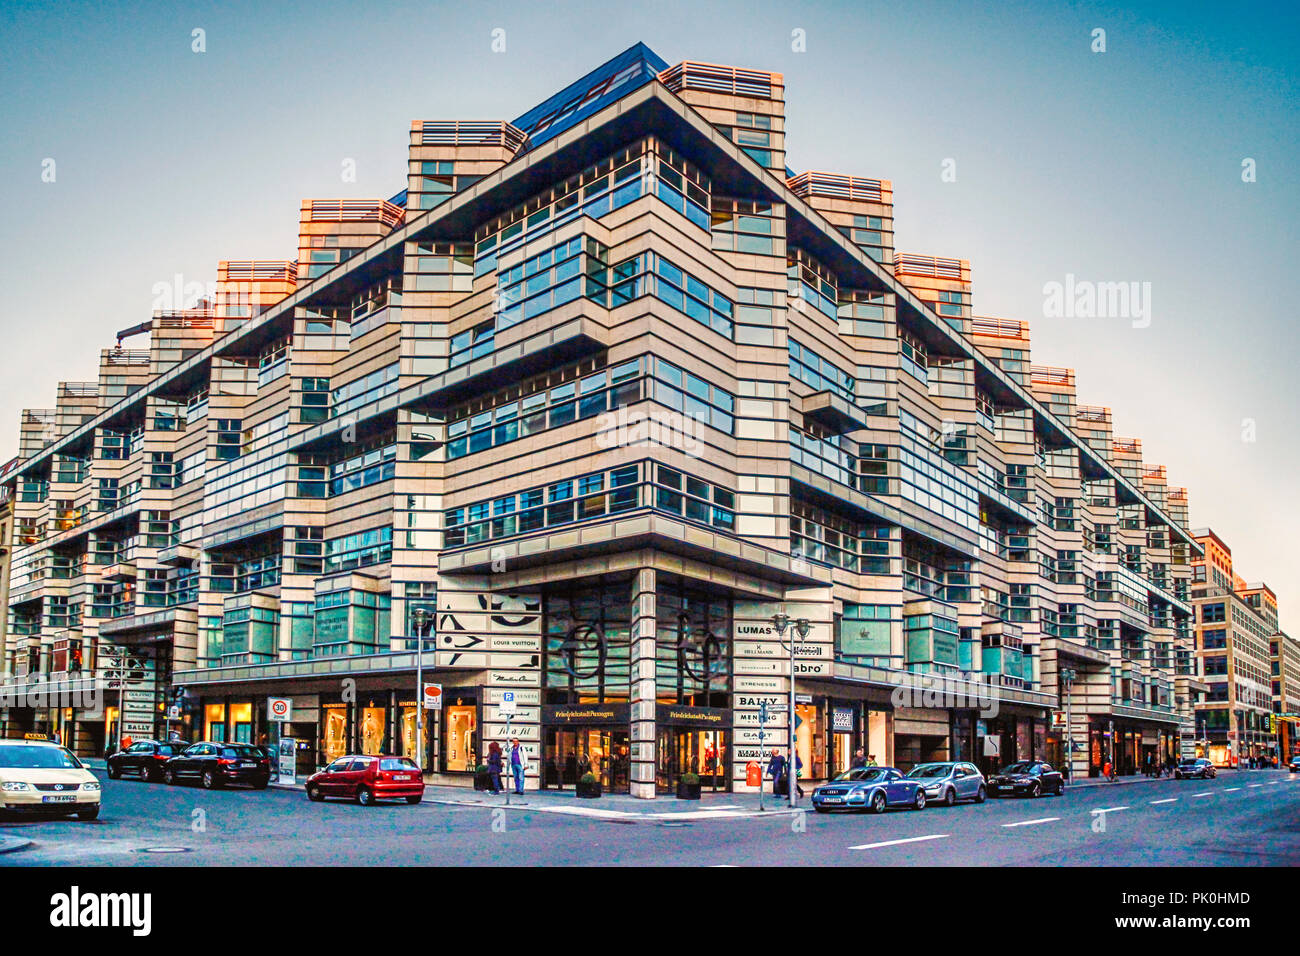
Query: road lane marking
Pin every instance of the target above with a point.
(873, 846)
(1169, 800)
(1254, 785)
(1232, 790)
(1205, 793)
(1030, 823)
(1109, 809)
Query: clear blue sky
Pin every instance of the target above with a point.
(1117, 166)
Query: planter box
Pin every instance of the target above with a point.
(588, 791)
(688, 791)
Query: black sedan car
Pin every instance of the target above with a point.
(1195, 768)
(218, 764)
(1029, 778)
(145, 759)
(1294, 765)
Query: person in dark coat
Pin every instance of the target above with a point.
(776, 770)
(495, 766)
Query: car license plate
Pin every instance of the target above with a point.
(832, 799)
(402, 776)
(248, 764)
(62, 798)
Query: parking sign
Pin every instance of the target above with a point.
(508, 706)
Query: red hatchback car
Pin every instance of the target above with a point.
(367, 779)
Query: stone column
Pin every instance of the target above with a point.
(643, 684)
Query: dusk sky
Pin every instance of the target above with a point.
(1123, 165)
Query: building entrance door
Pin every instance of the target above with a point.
(701, 752)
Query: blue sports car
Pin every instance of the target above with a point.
(869, 788)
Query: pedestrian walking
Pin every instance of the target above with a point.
(1108, 771)
(871, 760)
(798, 768)
(860, 759)
(495, 765)
(776, 770)
(518, 764)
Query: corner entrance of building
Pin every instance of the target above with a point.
(572, 752)
(686, 750)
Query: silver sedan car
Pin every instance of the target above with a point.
(948, 781)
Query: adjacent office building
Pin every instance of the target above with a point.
(582, 409)
(1248, 665)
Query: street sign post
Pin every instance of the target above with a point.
(279, 709)
(433, 697)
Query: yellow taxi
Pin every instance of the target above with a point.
(39, 776)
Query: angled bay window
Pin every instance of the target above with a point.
(864, 313)
(348, 620)
(273, 361)
(542, 403)
(810, 281)
(865, 634)
(746, 226)
(549, 280)
(820, 374)
(369, 388)
(650, 274)
(359, 550)
(440, 267)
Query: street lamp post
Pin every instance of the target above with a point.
(1067, 678)
(780, 622)
(420, 617)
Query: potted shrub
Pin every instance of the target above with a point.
(688, 786)
(481, 779)
(588, 786)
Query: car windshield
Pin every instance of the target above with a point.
(931, 770)
(861, 773)
(1020, 768)
(1190, 763)
(13, 757)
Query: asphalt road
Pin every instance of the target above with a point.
(1240, 819)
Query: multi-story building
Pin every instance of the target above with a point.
(1236, 628)
(6, 548)
(1285, 665)
(605, 390)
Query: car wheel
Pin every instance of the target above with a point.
(919, 802)
(980, 795)
(1035, 790)
(950, 798)
(90, 813)
(113, 772)
(169, 777)
(210, 781)
(878, 802)
(314, 794)
(149, 775)
(365, 796)
(1178, 775)
(414, 800)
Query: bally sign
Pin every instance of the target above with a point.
(279, 709)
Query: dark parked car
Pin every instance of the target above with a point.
(144, 758)
(1030, 778)
(366, 779)
(1294, 765)
(216, 765)
(869, 788)
(1195, 768)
